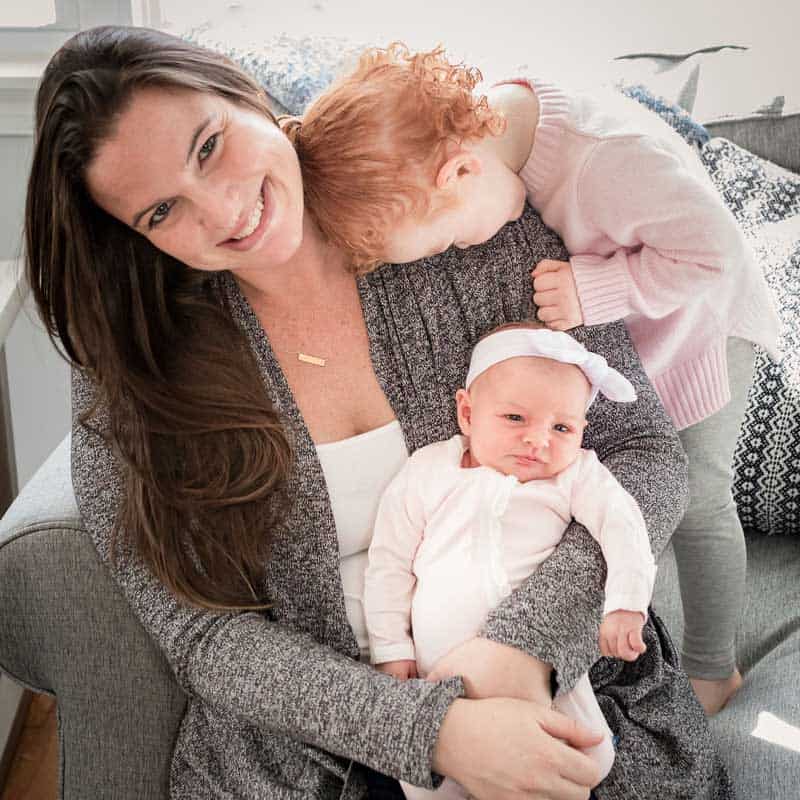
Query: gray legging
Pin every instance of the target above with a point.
(709, 542)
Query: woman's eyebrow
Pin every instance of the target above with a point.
(195, 136)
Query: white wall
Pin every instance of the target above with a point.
(37, 378)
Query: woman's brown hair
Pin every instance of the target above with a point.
(204, 455)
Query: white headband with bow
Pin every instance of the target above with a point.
(559, 346)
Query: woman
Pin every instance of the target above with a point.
(171, 254)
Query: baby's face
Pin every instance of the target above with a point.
(525, 417)
(469, 211)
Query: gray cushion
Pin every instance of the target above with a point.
(768, 652)
(65, 629)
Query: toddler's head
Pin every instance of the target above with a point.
(527, 393)
(393, 163)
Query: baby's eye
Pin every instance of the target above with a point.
(207, 147)
(514, 417)
(561, 428)
(159, 215)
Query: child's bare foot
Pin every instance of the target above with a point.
(713, 695)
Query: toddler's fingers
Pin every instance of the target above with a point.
(549, 297)
(560, 325)
(549, 314)
(546, 282)
(547, 265)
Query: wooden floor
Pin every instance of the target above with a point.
(34, 770)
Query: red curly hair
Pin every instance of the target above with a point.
(370, 147)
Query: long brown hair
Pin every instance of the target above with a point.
(204, 454)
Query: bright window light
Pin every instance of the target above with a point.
(774, 730)
(30, 14)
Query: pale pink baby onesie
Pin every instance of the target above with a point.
(451, 543)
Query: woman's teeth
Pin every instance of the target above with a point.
(253, 220)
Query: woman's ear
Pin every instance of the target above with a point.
(458, 165)
(464, 411)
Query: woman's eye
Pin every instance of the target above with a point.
(514, 417)
(159, 215)
(207, 147)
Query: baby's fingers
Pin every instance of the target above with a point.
(636, 641)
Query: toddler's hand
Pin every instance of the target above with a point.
(556, 295)
(402, 670)
(621, 635)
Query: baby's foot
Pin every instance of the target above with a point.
(713, 695)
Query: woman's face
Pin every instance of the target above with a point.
(214, 184)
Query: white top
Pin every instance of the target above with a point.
(357, 471)
(451, 542)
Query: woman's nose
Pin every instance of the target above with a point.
(219, 210)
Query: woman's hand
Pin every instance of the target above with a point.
(490, 669)
(501, 749)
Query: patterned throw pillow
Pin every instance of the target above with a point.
(766, 202)
(292, 70)
(765, 199)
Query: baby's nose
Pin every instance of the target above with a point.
(537, 436)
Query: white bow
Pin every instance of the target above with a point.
(559, 346)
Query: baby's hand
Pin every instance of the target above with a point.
(621, 635)
(556, 295)
(402, 670)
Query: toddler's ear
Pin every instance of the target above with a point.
(458, 165)
(464, 411)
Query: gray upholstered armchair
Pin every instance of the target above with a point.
(65, 630)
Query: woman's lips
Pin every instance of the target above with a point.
(266, 215)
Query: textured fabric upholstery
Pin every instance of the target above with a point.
(65, 629)
(768, 651)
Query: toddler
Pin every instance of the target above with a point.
(467, 520)
(402, 160)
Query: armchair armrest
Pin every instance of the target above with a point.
(66, 630)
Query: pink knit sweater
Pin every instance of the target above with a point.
(651, 242)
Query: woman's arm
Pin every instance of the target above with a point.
(555, 614)
(243, 663)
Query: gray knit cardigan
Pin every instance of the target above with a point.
(278, 705)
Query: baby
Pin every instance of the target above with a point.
(401, 160)
(467, 520)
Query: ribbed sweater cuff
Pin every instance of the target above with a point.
(553, 110)
(696, 389)
(602, 285)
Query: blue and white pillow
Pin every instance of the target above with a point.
(292, 70)
(766, 202)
